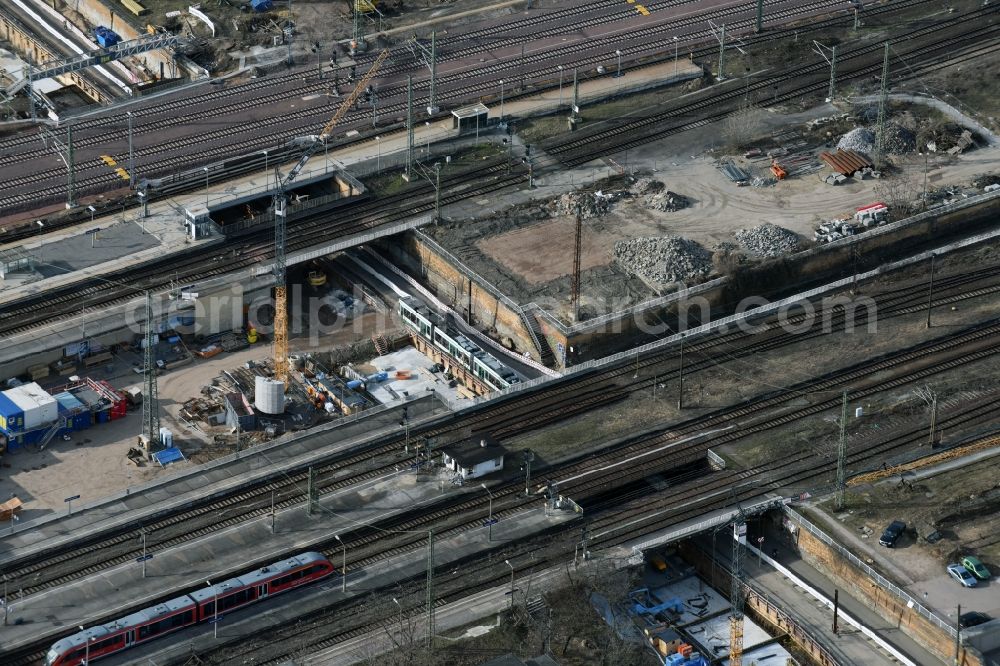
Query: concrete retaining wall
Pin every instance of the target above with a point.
(883, 601)
(459, 291)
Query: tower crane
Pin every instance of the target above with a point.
(280, 213)
(736, 591)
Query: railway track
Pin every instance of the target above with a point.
(258, 134)
(255, 500)
(21, 317)
(619, 518)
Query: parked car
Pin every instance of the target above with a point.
(975, 567)
(962, 575)
(973, 619)
(892, 533)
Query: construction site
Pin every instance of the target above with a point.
(499, 333)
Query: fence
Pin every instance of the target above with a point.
(881, 580)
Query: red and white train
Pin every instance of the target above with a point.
(193, 608)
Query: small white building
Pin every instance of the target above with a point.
(474, 457)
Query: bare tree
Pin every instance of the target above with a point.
(743, 125)
(899, 192)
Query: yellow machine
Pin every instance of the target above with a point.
(365, 6)
(251, 334)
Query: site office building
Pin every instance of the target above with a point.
(26, 413)
(474, 457)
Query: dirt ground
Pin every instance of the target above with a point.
(504, 248)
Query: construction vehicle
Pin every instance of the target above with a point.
(778, 170)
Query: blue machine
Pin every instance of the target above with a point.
(106, 37)
(261, 5)
(641, 603)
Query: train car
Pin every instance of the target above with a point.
(264, 582)
(433, 328)
(493, 372)
(139, 627)
(198, 606)
(416, 316)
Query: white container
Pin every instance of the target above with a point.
(38, 406)
(269, 395)
(166, 438)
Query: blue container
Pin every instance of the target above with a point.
(378, 377)
(355, 384)
(11, 416)
(261, 5)
(82, 421)
(174, 339)
(103, 416)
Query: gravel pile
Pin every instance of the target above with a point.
(768, 240)
(898, 140)
(590, 204)
(860, 139)
(664, 260)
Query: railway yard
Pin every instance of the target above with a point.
(521, 332)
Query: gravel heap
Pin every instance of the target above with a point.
(768, 240)
(664, 260)
(591, 204)
(860, 139)
(898, 140)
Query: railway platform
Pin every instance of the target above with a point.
(138, 506)
(243, 546)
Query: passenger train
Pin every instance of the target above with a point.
(432, 328)
(188, 609)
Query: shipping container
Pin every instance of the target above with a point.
(38, 407)
(11, 416)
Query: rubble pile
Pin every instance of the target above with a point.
(663, 260)
(898, 140)
(646, 186)
(768, 240)
(666, 201)
(589, 204)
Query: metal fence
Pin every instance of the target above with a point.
(881, 580)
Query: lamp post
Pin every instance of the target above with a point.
(400, 606)
(343, 563)
(378, 154)
(507, 562)
(560, 85)
(501, 100)
(5, 600)
(489, 521)
(619, 54)
(215, 607)
(925, 153)
(265, 164)
(206, 186)
(86, 649)
(676, 43)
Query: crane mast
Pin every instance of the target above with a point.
(280, 214)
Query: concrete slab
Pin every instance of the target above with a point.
(76, 253)
(421, 379)
(700, 600)
(711, 637)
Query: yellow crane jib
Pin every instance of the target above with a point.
(341, 112)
